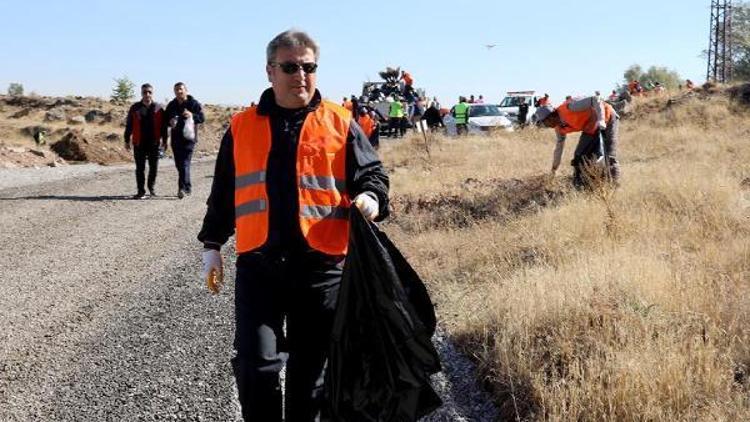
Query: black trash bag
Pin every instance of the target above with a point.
(381, 355)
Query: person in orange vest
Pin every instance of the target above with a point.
(347, 104)
(408, 80)
(288, 174)
(543, 101)
(369, 125)
(593, 118)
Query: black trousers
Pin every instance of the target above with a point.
(142, 154)
(588, 150)
(272, 288)
(395, 127)
(182, 157)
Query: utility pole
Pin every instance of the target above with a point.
(720, 42)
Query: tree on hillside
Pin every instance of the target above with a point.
(666, 77)
(15, 89)
(123, 90)
(741, 41)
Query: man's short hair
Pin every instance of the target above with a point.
(291, 39)
(180, 84)
(146, 86)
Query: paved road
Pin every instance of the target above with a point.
(104, 318)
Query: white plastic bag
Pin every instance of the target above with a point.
(188, 131)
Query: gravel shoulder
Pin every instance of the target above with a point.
(105, 317)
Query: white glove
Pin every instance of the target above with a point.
(367, 205)
(213, 270)
(601, 124)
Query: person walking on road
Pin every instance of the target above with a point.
(288, 174)
(143, 129)
(594, 118)
(182, 111)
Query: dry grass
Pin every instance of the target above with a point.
(624, 305)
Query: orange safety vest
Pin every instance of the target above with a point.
(366, 123)
(581, 121)
(408, 80)
(321, 178)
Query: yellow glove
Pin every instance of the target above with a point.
(213, 270)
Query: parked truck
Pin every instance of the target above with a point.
(513, 99)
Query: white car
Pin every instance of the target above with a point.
(513, 99)
(483, 119)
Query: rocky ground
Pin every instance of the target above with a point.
(80, 129)
(105, 318)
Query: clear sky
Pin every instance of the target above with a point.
(218, 48)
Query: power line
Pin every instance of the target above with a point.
(720, 42)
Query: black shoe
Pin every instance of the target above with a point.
(188, 192)
(140, 195)
(181, 194)
(152, 192)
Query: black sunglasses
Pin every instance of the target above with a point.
(290, 68)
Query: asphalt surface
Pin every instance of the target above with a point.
(104, 316)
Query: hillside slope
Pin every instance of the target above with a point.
(632, 304)
(88, 130)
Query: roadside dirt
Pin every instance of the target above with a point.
(80, 129)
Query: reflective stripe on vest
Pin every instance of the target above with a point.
(321, 178)
(581, 121)
(461, 110)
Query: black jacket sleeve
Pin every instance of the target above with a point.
(129, 125)
(218, 224)
(364, 171)
(197, 110)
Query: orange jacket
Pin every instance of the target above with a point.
(581, 121)
(408, 80)
(366, 123)
(137, 112)
(321, 175)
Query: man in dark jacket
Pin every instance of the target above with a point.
(143, 129)
(288, 174)
(523, 111)
(433, 117)
(181, 109)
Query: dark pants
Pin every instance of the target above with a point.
(182, 157)
(522, 119)
(394, 127)
(589, 150)
(461, 128)
(375, 137)
(141, 154)
(269, 289)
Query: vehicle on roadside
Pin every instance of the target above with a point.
(513, 99)
(483, 119)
